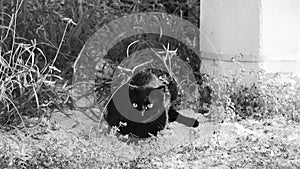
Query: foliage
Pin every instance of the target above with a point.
(40, 39)
(47, 22)
(273, 94)
(270, 144)
(27, 80)
(48, 35)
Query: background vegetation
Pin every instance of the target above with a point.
(40, 40)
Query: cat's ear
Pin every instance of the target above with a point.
(156, 82)
(164, 79)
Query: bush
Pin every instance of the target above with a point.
(273, 94)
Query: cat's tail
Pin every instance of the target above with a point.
(187, 121)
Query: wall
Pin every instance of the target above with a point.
(230, 29)
(281, 35)
(260, 34)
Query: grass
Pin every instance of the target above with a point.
(254, 126)
(254, 142)
(250, 144)
(27, 79)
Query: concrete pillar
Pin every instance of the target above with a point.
(259, 34)
(230, 30)
(281, 35)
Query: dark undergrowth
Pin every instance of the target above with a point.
(40, 41)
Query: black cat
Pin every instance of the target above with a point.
(146, 106)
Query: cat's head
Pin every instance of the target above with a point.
(148, 88)
(148, 102)
(141, 86)
(139, 97)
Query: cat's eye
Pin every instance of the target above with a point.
(134, 105)
(150, 105)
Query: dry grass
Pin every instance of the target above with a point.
(39, 42)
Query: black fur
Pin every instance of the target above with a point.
(144, 98)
